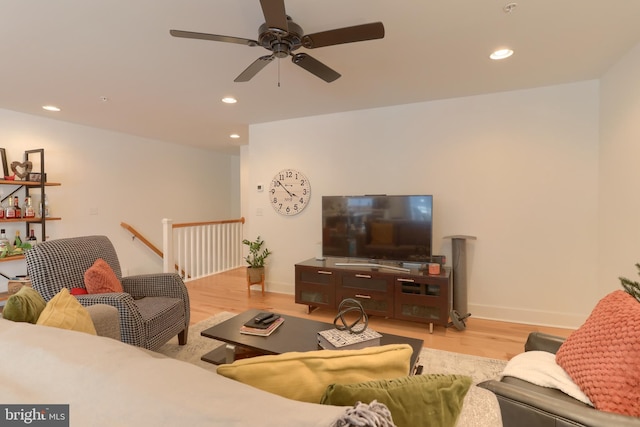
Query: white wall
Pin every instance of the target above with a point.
(125, 179)
(519, 170)
(619, 231)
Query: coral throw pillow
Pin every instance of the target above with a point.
(101, 279)
(603, 355)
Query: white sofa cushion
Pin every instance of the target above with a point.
(109, 383)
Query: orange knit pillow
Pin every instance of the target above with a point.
(100, 279)
(603, 355)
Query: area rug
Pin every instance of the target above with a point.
(433, 361)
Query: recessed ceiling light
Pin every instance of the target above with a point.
(509, 7)
(229, 100)
(234, 136)
(51, 108)
(501, 54)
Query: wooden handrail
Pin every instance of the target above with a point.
(150, 245)
(197, 224)
(159, 252)
(136, 234)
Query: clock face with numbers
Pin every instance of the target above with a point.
(289, 192)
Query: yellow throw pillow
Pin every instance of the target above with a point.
(305, 376)
(65, 312)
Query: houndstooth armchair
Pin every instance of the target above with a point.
(153, 307)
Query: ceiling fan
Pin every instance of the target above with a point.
(280, 35)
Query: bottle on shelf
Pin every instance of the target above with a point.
(18, 240)
(4, 242)
(43, 208)
(32, 240)
(27, 209)
(16, 207)
(9, 212)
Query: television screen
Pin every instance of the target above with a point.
(395, 228)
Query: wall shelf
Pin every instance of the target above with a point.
(11, 258)
(35, 220)
(18, 186)
(28, 183)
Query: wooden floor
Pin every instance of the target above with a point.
(228, 292)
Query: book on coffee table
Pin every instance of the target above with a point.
(263, 332)
(334, 339)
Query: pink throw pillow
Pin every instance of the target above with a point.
(100, 279)
(603, 355)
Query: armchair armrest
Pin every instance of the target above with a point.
(521, 402)
(543, 342)
(158, 285)
(154, 285)
(131, 322)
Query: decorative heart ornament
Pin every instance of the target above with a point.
(26, 168)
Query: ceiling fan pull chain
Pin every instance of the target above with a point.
(278, 72)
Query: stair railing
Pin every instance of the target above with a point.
(199, 249)
(135, 234)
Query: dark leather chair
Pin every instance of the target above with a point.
(523, 404)
(153, 307)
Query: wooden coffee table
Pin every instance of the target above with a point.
(295, 334)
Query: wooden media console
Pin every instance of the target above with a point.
(387, 290)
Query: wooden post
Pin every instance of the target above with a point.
(168, 264)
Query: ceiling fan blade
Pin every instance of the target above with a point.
(275, 15)
(315, 67)
(213, 37)
(358, 33)
(254, 68)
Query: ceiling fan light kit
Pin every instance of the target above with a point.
(280, 35)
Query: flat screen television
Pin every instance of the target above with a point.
(378, 227)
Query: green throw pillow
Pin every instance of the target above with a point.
(24, 306)
(421, 400)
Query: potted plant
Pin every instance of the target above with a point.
(255, 259)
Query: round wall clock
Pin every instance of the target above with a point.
(289, 192)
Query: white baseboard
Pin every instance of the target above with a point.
(528, 317)
(280, 288)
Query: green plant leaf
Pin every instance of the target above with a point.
(257, 255)
(631, 287)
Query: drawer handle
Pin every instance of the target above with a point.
(363, 276)
(325, 272)
(363, 296)
(406, 280)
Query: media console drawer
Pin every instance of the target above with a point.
(372, 290)
(415, 296)
(424, 299)
(315, 287)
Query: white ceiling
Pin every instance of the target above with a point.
(73, 52)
